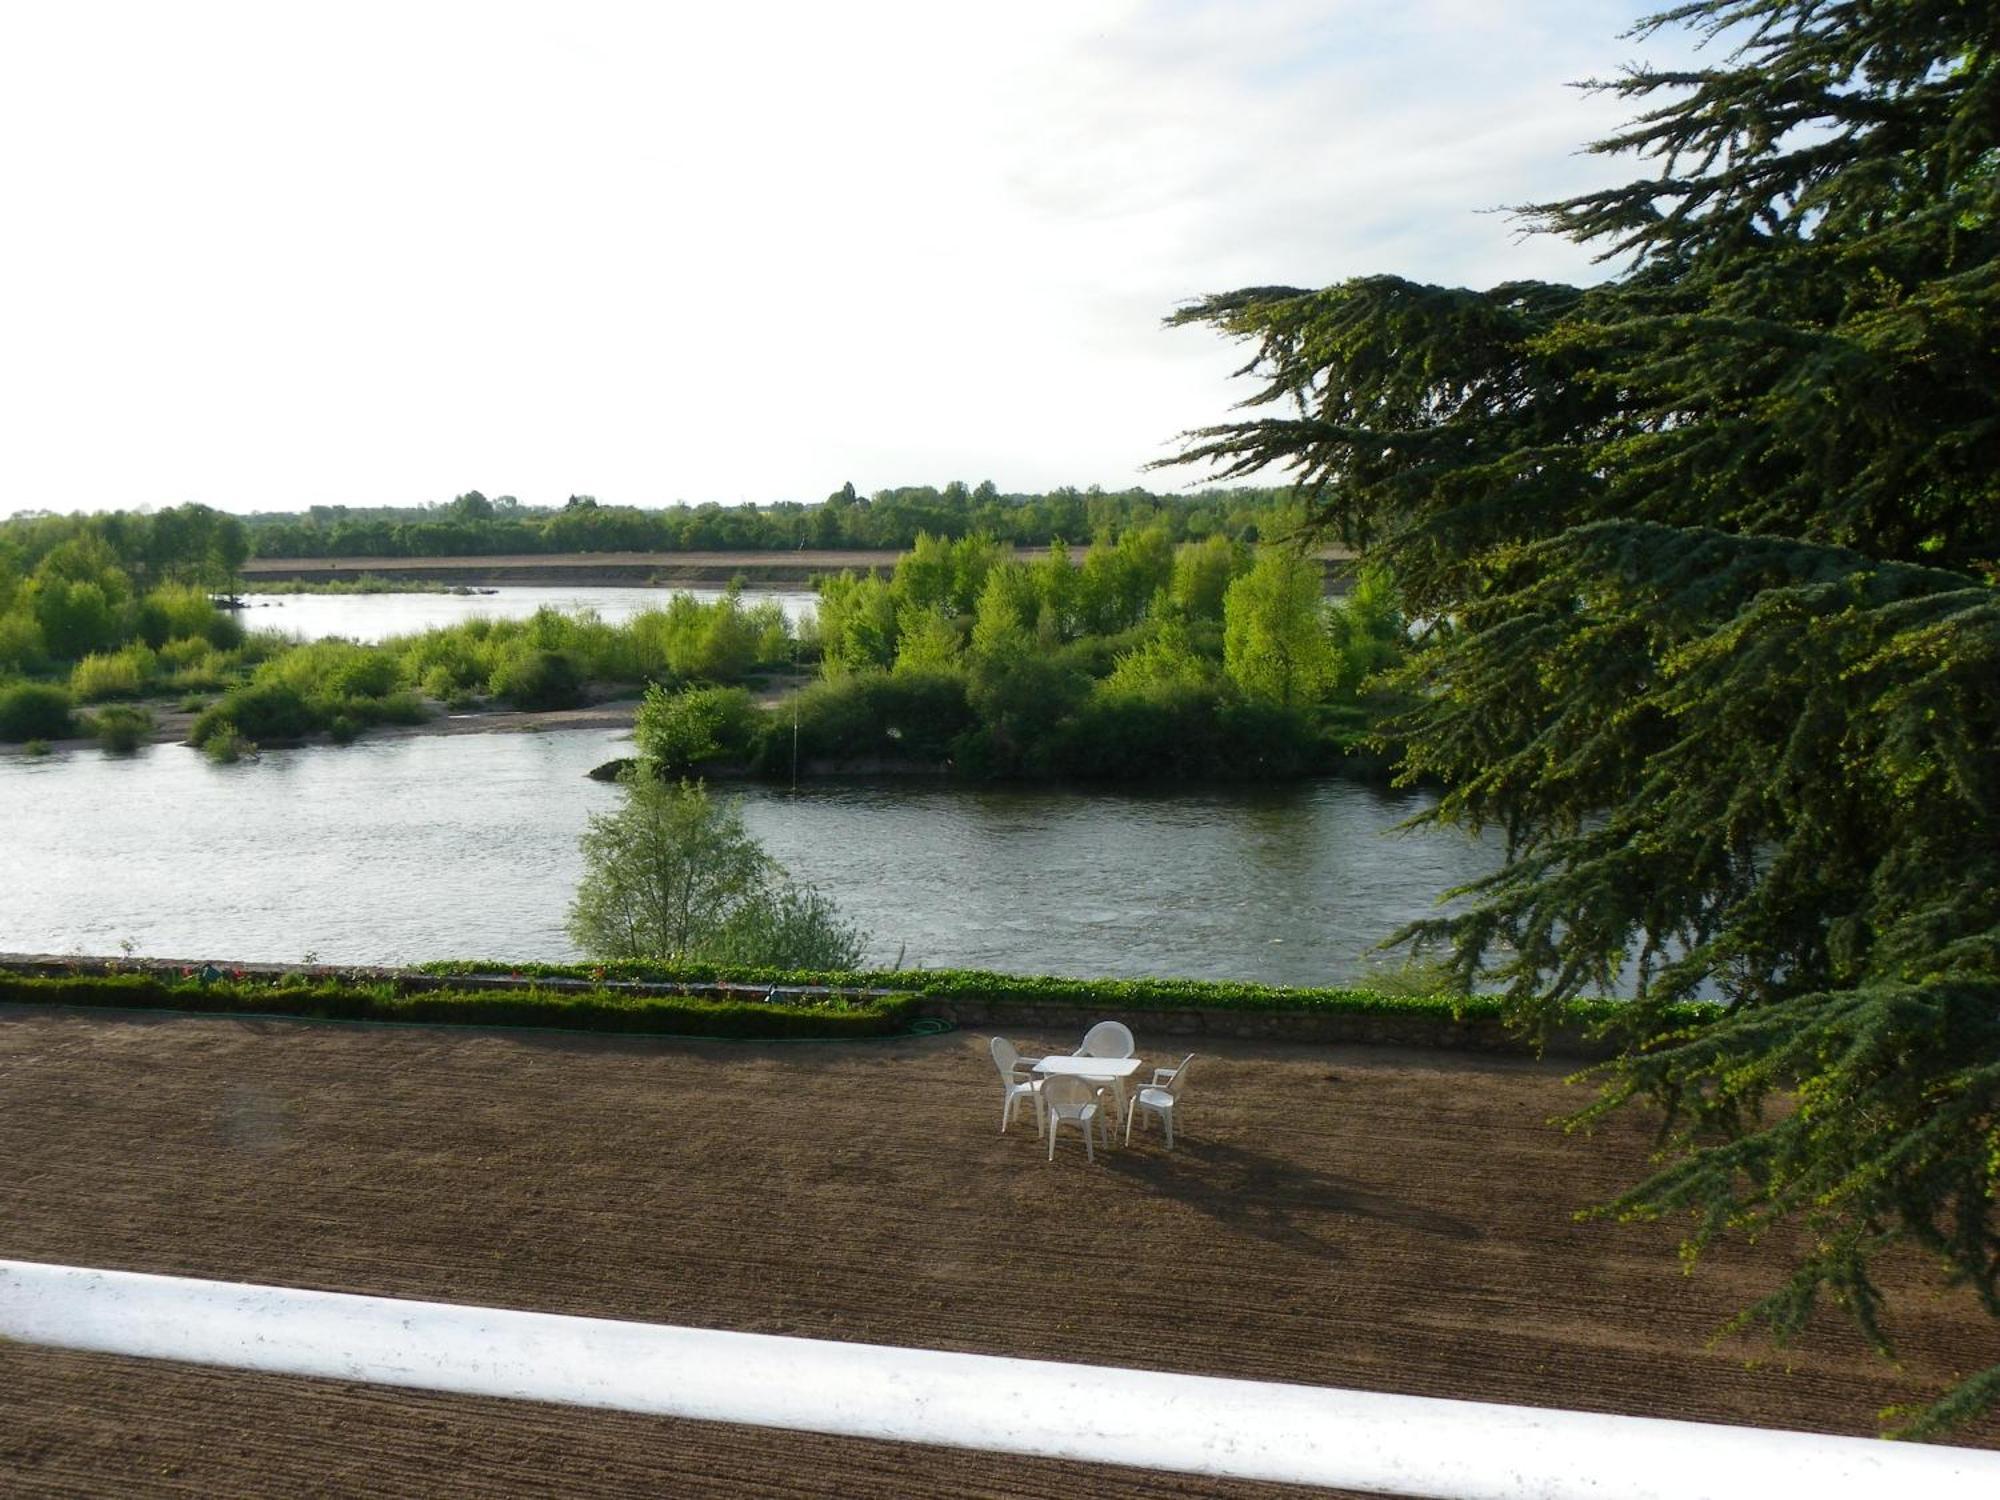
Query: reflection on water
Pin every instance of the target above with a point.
(376, 617)
(397, 850)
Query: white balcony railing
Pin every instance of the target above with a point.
(1356, 1440)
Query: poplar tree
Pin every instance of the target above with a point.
(1715, 543)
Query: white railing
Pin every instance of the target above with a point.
(1357, 1440)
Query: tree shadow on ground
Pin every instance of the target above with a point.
(1275, 1199)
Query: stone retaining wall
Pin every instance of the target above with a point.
(1193, 1023)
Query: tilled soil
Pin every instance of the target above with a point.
(1367, 1218)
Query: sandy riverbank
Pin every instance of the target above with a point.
(613, 706)
(172, 724)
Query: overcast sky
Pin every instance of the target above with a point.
(270, 255)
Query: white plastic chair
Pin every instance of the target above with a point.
(1067, 1097)
(1159, 1098)
(1107, 1039)
(1163, 1078)
(1007, 1058)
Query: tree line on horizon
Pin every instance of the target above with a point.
(474, 524)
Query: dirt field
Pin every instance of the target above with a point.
(1385, 1220)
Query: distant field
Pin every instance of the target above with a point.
(1372, 1218)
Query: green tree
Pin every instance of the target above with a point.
(674, 874)
(1009, 606)
(1274, 640)
(857, 624)
(1367, 630)
(1203, 572)
(1717, 542)
(74, 619)
(927, 640)
(1118, 581)
(1164, 666)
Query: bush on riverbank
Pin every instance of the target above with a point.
(312, 687)
(34, 711)
(538, 680)
(590, 1010)
(674, 874)
(680, 731)
(270, 711)
(121, 728)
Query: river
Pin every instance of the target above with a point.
(395, 850)
(376, 617)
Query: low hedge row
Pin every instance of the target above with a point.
(1083, 994)
(594, 1010)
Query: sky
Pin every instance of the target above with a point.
(269, 256)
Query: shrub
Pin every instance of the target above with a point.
(719, 641)
(902, 716)
(673, 874)
(677, 731)
(21, 648)
(262, 711)
(538, 679)
(122, 729)
(34, 711)
(191, 664)
(330, 674)
(176, 612)
(76, 618)
(1170, 730)
(788, 926)
(185, 651)
(226, 747)
(122, 674)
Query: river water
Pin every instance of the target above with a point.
(376, 617)
(398, 850)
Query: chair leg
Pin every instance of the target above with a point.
(1054, 1121)
(1167, 1119)
(1006, 1111)
(1130, 1109)
(1089, 1152)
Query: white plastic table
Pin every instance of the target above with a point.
(1111, 1070)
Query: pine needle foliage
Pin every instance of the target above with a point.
(1717, 542)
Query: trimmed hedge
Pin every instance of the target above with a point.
(589, 1010)
(1043, 989)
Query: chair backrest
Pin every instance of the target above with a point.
(1006, 1057)
(1065, 1093)
(1177, 1085)
(1107, 1039)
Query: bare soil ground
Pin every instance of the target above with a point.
(1386, 1220)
